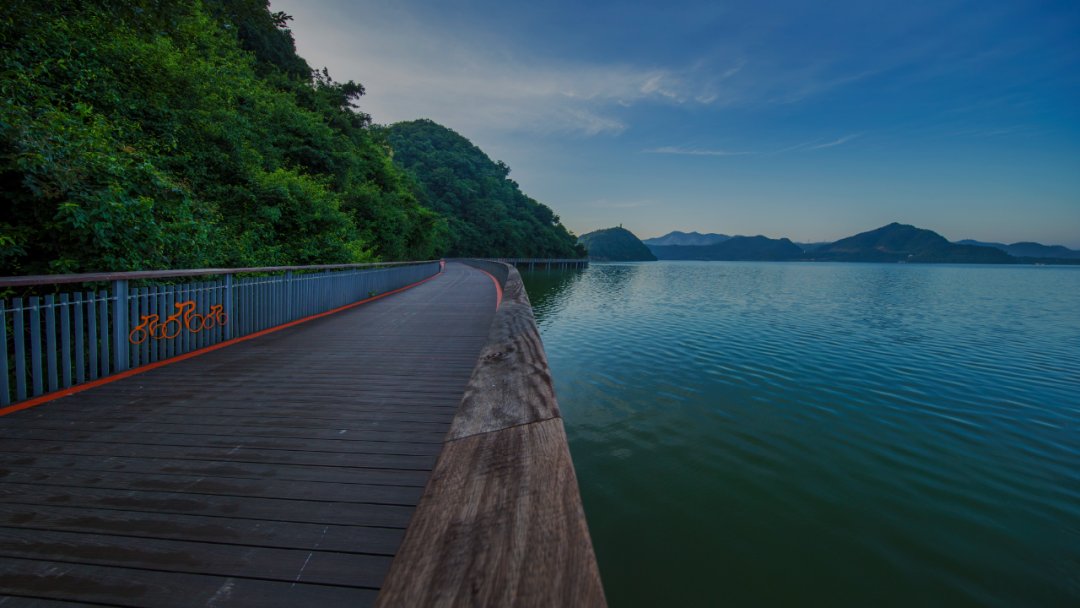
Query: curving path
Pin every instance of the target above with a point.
(281, 471)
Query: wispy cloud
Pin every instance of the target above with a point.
(836, 142)
(482, 82)
(814, 144)
(694, 151)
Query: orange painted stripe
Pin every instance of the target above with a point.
(195, 353)
(498, 288)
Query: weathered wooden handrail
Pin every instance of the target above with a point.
(500, 522)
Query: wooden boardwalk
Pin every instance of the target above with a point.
(281, 471)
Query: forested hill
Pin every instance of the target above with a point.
(488, 214)
(615, 245)
(169, 134)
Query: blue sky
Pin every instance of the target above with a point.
(812, 120)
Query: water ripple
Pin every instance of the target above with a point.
(854, 434)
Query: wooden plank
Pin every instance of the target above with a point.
(217, 486)
(210, 441)
(292, 565)
(268, 410)
(282, 422)
(237, 453)
(244, 470)
(343, 432)
(272, 509)
(500, 524)
(284, 535)
(137, 588)
(13, 601)
(511, 383)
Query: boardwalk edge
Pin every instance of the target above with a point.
(501, 522)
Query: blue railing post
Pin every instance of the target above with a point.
(120, 325)
(228, 307)
(288, 296)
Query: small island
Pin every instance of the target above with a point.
(615, 245)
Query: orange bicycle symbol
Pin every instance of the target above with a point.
(185, 317)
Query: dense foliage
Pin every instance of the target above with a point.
(615, 245)
(487, 212)
(168, 133)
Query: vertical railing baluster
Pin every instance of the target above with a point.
(80, 338)
(258, 303)
(223, 294)
(5, 388)
(92, 340)
(143, 310)
(244, 305)
(259, 296)
(19, 335)
(185, 295)
(103, 328)
(227, 331)
(233, 293)
(152, 309)
(120, 325)
(207, 304)
(35, 346)
(163, 310)
(215, 299)
(51, 369)
(136, 314)
(65, 341)
(286, 299)
(191, 338)
(170, 349)
(204, 304)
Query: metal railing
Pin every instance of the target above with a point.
(59, 340)
(548, 263)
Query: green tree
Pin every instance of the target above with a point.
(486, 212)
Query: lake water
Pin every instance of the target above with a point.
(796, 434)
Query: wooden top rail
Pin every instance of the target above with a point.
(95, 277)
(500, 522)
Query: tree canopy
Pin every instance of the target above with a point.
(488, 215)
(165, 133)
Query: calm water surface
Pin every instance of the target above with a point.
(823, 434)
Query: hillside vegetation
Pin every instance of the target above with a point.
(488, 214)
(155, 134)
(148, 134)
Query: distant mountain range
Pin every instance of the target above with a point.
(734, 248)
(615, 245)
(893, 243)
(904, 243)
(1028, 250)
(693, 239)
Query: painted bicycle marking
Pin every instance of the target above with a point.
(185, 317)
